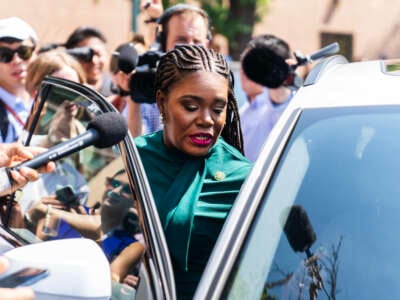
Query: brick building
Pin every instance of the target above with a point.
(365, 29)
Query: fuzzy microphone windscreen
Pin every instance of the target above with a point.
(298, 229)
(265, 67)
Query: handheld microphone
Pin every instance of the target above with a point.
(103, 131)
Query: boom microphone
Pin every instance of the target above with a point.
(301, 237)
(103, 131)
(265, 67)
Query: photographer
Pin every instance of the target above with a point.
(179, 24)
(96, 75)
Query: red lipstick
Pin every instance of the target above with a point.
(201, 139)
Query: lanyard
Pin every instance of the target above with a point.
(15, 115)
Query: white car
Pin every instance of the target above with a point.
(316, 218)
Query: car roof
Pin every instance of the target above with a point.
(339, 83)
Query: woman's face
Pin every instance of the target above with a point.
(194, 112)
(117, 203)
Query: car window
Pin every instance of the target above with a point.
(326, 222)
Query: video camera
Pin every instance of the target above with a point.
(141, 83)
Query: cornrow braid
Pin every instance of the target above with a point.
(185, 59)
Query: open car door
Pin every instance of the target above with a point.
(83, 180)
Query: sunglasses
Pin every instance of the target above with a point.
(7, 54)
(116, 184)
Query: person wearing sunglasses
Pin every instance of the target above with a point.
(17, 47)
(115, 226)
(116, 202)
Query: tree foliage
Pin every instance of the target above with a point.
(234, 19)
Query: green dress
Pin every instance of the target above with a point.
(193, 196)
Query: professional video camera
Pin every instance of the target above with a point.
(265, 67)
(141, 84)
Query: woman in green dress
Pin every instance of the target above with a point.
(195, 165)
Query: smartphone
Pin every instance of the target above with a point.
(67, 195)
(23, 277)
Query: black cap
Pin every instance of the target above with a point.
(124, 58)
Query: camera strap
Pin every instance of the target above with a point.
(4, 122)
(13, 112)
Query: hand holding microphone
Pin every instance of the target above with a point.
(13, 153)
(103, 131)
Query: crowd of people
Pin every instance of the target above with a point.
(196, 144)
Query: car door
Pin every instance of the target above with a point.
(60, 112)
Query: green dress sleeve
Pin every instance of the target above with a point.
(180, 182)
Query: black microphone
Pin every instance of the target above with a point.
(301, 237)
(265, 67)
(299, 231)
(103, 131)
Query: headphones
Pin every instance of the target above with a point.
(177, 9)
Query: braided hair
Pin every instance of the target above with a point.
(184, 59)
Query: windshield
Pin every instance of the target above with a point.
(326, 224)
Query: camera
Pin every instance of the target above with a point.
(67, 196)
(84, 54)
(141, 83)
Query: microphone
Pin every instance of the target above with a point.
(299, 231)
(265, 67)
(301, 237)
(103, 131)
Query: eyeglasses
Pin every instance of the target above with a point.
(7, 54)
(116, 184)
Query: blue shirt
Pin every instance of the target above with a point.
(257, 120)
(21, 108)
(150, 117)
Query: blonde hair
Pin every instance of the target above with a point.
(48, 63)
